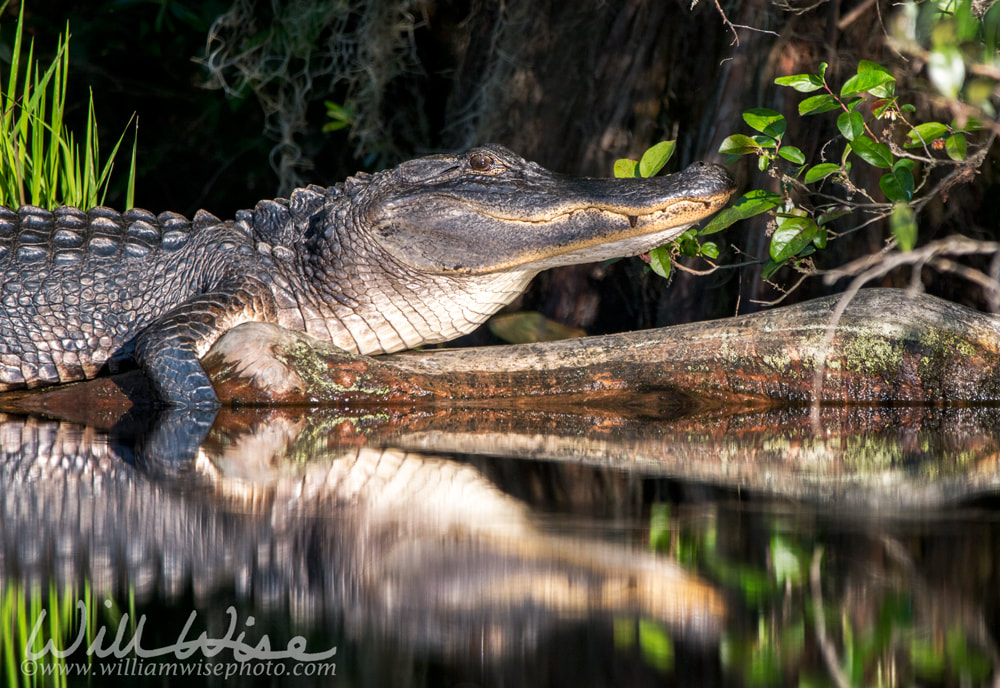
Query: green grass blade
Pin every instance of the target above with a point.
(105, 179)
(14, 66)
(130, 191)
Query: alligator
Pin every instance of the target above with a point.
(416, 254)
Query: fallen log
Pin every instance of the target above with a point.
(888, 347)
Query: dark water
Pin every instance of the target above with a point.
(505, 547)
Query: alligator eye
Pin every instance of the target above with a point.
(480, 162)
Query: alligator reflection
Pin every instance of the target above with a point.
(297, 510)
(361, 517)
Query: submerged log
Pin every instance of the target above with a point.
(887, 348)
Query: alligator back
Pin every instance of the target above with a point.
(77, 287)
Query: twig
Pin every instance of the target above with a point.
(872, 267)
(826, 647)
(733, 27)
(989, 284)
(851, 16)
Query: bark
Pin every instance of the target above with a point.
(886, 348)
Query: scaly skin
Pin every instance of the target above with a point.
(417, 254)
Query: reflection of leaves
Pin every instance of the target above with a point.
(657, 647)
(659, 526)
(786, 561)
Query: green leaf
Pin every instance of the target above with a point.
(817, 104)
(870, 76)
(904, 226)
(925, 133)
(659, 261)
(824, 218)
(687, 243)
(626, 169)
(770, 267)
(819, 241)
(898, 184)
(749, 204)
(710, 250)
(851, 124)
(655, 158)
(946, 69)
(820, 171)
(954, 146)
(872, 152)
(879, 107)
(903, 172)
(738, 144)
(803, 83)
(792, 154)
(764, 141)
(765, 121)
(891, 188)
(793, 234)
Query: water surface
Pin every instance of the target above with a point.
(644, 545)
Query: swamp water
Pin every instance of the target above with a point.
(504, 547)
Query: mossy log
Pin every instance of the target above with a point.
(888, 347)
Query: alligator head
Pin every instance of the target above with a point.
(490, 210)
(426, 251)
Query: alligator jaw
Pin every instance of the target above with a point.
(595, 234)
(519, 216)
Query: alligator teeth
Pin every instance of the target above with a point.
(632, 219)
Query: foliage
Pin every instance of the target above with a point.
(22, 609)
(802, 212)
(915, 160)
(888, 641)
(41, 162)
(661, 259)
(286, 53)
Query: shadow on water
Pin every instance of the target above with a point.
(506, 546)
